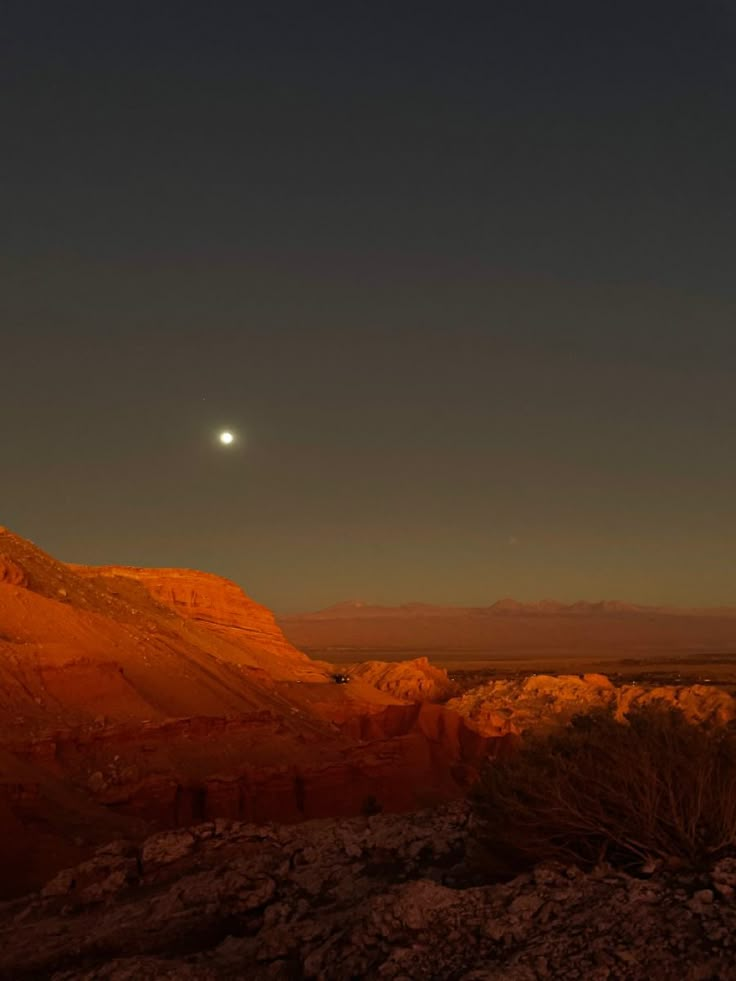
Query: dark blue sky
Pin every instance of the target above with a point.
(461, 277)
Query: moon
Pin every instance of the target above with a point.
(226, 438)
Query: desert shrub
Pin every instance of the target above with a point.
(651, 788)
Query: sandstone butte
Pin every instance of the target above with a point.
(138, 699)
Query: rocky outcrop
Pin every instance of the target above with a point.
(215, 880)
(414, 681)
(699, 703)
(387, 896)
(543, 701)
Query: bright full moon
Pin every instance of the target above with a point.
(226, 438)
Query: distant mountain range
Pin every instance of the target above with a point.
(511, 628)
(360, 610)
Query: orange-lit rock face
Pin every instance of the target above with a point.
(77, 643)
(542, 701)
(222, 607)
(11, 573)
(416, 680)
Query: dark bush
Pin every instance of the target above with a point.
(651, 788)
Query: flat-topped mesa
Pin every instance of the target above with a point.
(223, 607)
(201, 596)
(78, 642)
(214, 602)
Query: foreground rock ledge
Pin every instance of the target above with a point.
(386, 896)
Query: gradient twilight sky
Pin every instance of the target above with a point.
(460, 276)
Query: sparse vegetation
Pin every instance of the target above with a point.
(651, 789)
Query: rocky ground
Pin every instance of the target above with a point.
(387, 897)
